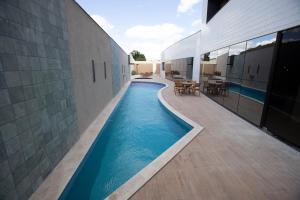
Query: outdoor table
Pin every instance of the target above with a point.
(215, 84)
(186, 85)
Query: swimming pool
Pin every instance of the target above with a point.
(138, 131)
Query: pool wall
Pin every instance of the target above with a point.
(47, 94)
(38, 119)
(91, 45)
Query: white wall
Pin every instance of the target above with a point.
(240, 20)
(181, 49)
(237, 21)
(184, 48)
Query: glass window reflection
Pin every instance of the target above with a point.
(237, 76)
(179, 69)
(258, 61)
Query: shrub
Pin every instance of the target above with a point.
(133, 72)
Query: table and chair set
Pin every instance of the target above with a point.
(216, 87)
(186, 87)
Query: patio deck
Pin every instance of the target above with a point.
(230, 159)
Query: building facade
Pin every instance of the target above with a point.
(245, 57)
(58, 70)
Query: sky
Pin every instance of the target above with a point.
(149, 26)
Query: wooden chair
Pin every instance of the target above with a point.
(224, 89)
(209, 88)
(195, 87)
(178, 87)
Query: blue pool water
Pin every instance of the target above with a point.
(249, 92)
(139, 130)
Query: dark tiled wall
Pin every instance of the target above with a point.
(37, 113)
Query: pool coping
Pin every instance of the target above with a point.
(126, 190)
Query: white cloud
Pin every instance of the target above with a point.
(106, 25)
(197, 23)
(254, 44)
(186, 5)
(152, 40)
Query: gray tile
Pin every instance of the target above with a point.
(19, 109)
(1, 66)
(16, 94)
(35, 119)
(42, 102)
(35, 177)
(32, 106)
(20, 173)
(49, 99)
(44, 63)
(4, 97)
(45, 167)
(29, 92)
(37, 133)
(22, 124)
(2, 81)
(3, 154)
(7, 189)
(12, 145)
(8, 131)
(23, 63)
(29, 150)
(26, 77)
(16, 160)
(35, 160)
(2, 11)
(6, 114)
(37, 77)
(4, 27)
(9, 62)
(41, 51)
(4, 170)
(13, 78)
(7, 45)
(26, 138)
(35, 63)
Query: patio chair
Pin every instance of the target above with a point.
(195, 87)
(209, 88)
(224, 89)
(178, 87)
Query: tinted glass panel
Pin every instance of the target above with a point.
(207, 69)
(179, 69)
(283, 116)
(237, 77)
(235, 67)
(258, 61)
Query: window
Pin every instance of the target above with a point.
(93, 71)
(258, 61)
(179, 68)
(237, 77)
(283, 113)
